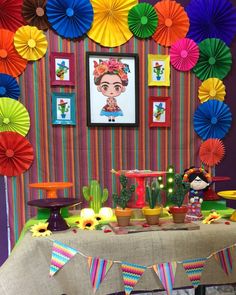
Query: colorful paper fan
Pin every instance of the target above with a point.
(212, 151)
(16, 153)
(184, 54)
(173, 22)
(110, 25)
(34, 13)
(215, 59)
(10, 61)
(30, 42)
(211, 19)
(9, 86)
(142, 20)
(13, 116)
(211, 88)
(212, 119)
(70, 19)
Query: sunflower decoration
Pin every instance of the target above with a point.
(40, 230)
(99, 217)
(88, 223)
(212, 88)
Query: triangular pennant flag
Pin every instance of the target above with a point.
(166, 273)
(131, 274)
(61, 254)
(98, 268)
(224, 258)
(194, 268)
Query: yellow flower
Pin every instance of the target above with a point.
(211, 218)
(99, 217)
(40, 230)
(88, 223)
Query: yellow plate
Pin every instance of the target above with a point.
(231, 195)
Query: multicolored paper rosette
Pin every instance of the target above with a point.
(11, 62)
(9, 87)
(211, 19)
(142, 20)
(70, 19)
(212, 119)
(215, 59)
(16, 153)
(30, 42)
(110, 25)
(13, 116)
(211, 88)
(212, 151)
(173, 22)
(34, 13)
(184, 54)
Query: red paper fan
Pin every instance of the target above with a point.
(212, 151)
(16, 153)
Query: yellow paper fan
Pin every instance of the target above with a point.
(212, 88)
(30, 42)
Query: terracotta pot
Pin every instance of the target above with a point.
(152, 215)
(178, 213)
(123, 216)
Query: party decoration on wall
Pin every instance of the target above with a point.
(212, 119)
(13, 116)
(184, 54)
(193, 269)
(173, 22)
(70, 19)
(158, 70)
(9, 86)
(16, 153)
(109, 17)
(212, 151)
(40, 229)
(224, 258)
(30, 42)
(166, 273)
(34, 13)
(211, 19)
(142, 20)
(215, 59)
(11, 62)
(211, 88)
(11, 17)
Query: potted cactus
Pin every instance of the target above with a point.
(123, 214)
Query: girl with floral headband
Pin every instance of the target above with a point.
(111, 79)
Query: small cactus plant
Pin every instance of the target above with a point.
(153, 194)
(180, 190)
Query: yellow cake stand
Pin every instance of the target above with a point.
(229, 195)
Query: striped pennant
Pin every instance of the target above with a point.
(224, 258)
(166, 273)
(131, 274)
(61, 254)
(193, 269)
(98, 268)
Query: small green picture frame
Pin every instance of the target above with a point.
(63, 109)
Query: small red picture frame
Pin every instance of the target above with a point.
(159, 111)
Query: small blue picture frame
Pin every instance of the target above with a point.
(63, 108)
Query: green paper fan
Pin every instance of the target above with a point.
(215, 59)
(13, 116)
(142, 20)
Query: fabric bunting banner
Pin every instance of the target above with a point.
(98, 268)
(193, 269)
(166, 273)
(224, 258)
(61, 254)
(131, 274)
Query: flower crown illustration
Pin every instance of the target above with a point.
(196, 170)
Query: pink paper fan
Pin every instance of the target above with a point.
(184, 54)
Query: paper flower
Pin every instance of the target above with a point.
(211, 19)
(40, 230)
(9, 86)
(212, 217)
(13, 116)
(110, 25)
(211, 88)
(30, 42)
(70, 19)
(184, 54)
(16, 153)
(173, 22)
(212, 119)
(212, 151)
(34, 13)
(88, 223)
(142, 20)
(215, 59)
(11, 62)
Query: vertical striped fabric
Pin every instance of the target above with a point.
(224, 258)
(166, 273)
(193, 269)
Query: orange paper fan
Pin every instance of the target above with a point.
(212, 151)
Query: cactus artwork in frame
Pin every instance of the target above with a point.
(158, 70)
(63, 108)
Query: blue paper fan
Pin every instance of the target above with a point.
(211, 19)
(70, 19)
(9, 86)
(212, 119)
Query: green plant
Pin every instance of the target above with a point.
(180, 190)
(125, 193)
(153, 194)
